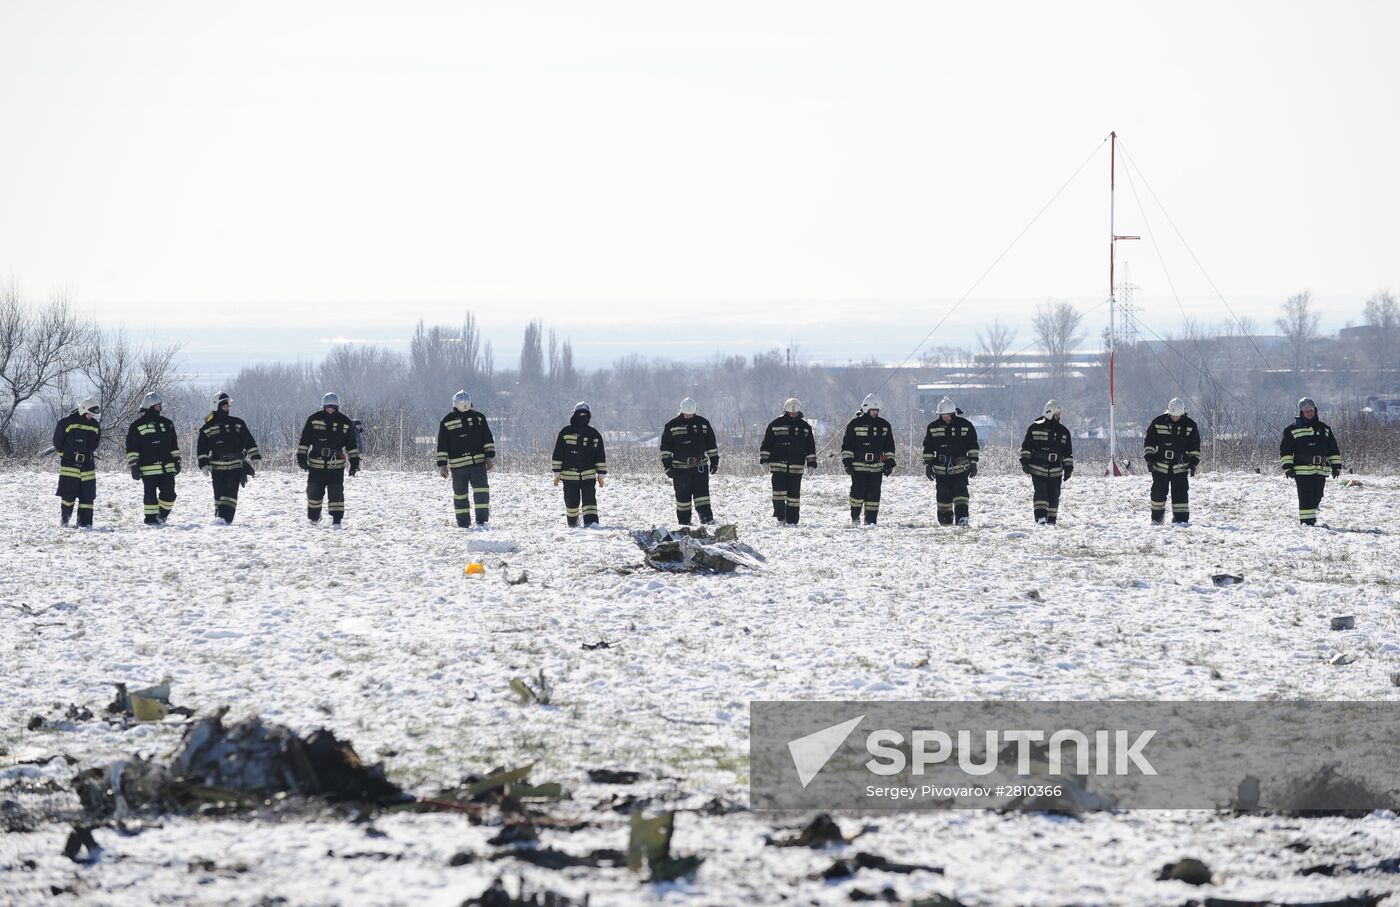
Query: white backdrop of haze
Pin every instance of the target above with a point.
(674, 180)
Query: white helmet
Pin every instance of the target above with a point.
(1176, 407)
(220, 399)
(90, 407)
(581, 407)
(946, 407)
(331, 399)
(792, 405)
(687, 407)
(461, 401)
(1052, 409)
(150, 400)
(1306, 403)
(870, 402)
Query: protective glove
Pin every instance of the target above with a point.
(1026, 466)
(444, 471)
(1069, 471)
(972, 470)
(811, 466)
(354, 467)
(136, 472)
(928, 470)
(302, 462)
(204, 469)
(243, 481)
(714, 464)
(849, 467)
(248, 470)
(1336, 472)
(1191, 470)
(1288, 471)
(670, 473)
(177, 468)
(490, 463)
(557, 480)
(887, 468)
(601, 483)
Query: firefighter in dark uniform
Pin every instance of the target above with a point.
(225, 451)
(153, 453)
(867, 453)
(75, 440)
(1047, 456)
(950, 459)
(466, 451)
(789, 447)
(327, 443)
(1307, 453)
(580, 462)
(1172, 450)
(689, 454)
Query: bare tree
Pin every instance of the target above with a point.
(364, 376)
(38, 348)
(1299, 328)
(996, 339)
(1056, 325)
(1383, 343)
(120, 373)
(532, 354)
(275, 399)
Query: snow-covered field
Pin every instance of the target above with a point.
(376, 633)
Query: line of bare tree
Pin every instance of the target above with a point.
(50, 356)
(1240, 386)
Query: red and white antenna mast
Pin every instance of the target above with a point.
(1113, 238)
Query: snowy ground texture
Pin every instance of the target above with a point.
(375, 633)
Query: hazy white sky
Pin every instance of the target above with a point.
(659, 163)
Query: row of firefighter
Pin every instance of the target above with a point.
(466, 451)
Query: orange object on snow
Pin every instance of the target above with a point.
(474, 569)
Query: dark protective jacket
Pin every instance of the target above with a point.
(153, 444)
(578, 451)
(76, 439)
(686, 443)
(1309, 448)
(224, 442)
(950, 448)
(1048, 448)
(328, 440)
(868, 444)
(464, 439)
(788, 444)
(1172, 447)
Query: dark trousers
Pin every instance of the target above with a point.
(1310, 490)
(865, 495)
(470, 492)
(1178, 483)
(692, 487)
(787, 496)
(1047, 497)
(226, 483)
(952, 495)
(78, 489)
(158, 495)
(581, 499)
(325, 483)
